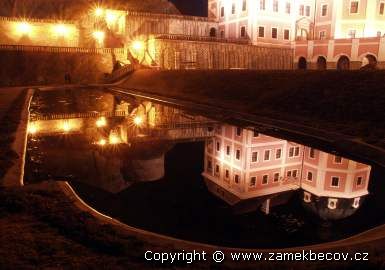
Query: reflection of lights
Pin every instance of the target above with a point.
(111, 17)
(66, 126)
(32, 128)
(138, 120)
(61, 30)
(101, 122)
(99, 12)
(137, 45)
(102, 142)
(99, 36)
(24, 28)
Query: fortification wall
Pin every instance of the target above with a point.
(40, 65)
(189, 54)
(38, 32)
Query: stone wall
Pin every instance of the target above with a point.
(188, 54)
(31, 66)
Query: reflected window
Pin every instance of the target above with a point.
(309, 176)
(359, 181)
(335, 181)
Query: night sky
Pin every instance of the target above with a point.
(191, 7)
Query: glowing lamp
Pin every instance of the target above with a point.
(24, 28)
(111, 17)
(101, 122)
(61, 30)
(32, 128)
(99, 12)
(66, 126)
(138, 120)
(114, 139)
(102, 142)
(137, 45)
(99, 36)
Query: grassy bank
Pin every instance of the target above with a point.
(351, 103)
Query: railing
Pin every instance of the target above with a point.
(63, 116)
(120, 73)
(202, 38)
(169, 16)
(51, 49)
(35, 20)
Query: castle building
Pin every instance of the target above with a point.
(248, 170)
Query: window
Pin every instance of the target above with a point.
(261, 31)
(288, 173)
(254, 157)
(222, 34)
(335, 181)
(233, 8)
(262, 4)
(359, 181)
(276, 177)
(324, 10)
(309, 176)
(337, 159)
(243, 35)
(356, 202)
(265, 179)
(209, 165)
(312, 153)
(275, 5)
(266, 156)
(308, 11)
(238, 154)
(255, 134)
(274, 33)
(296, 152)
(306, 197)
(291, 152)
(253, 181)
(352, 33)
(294, 174)
(278, 153)
(227, 174)
(301, 10)
(288, 7)
(222, 11)
(332, 203)
(286, 34)
(244, 5)
(354, 7)
(322, 34)
(236, 179)
(218, 146)
(228, 150)
(382, 8)
(239, 130)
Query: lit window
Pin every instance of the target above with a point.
(278, 153)
(337, 159)
(275, 5)
(356, 202)
(308, 11)
(262, 4)
(288, 7)
(233, 8)
(359, 181)
(239, 131)
(286, 34)
(222, 11)
(382, 8)
(253, 181)
(265, 179)
(276, 177)
(306, 197)
(243, 31)
(354, 7)
(238, 154)
(266, 156)
(324, 10)
(309, 176)
(335, 181)
(274, 32)
(332, 203)
(254, 157)
(261, 31)
(244, 5)
(301, 10)
(236, 179)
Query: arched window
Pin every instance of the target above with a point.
(343, 63)
(321, 63)
(302, 63)
(213, 32)
(369, 62)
